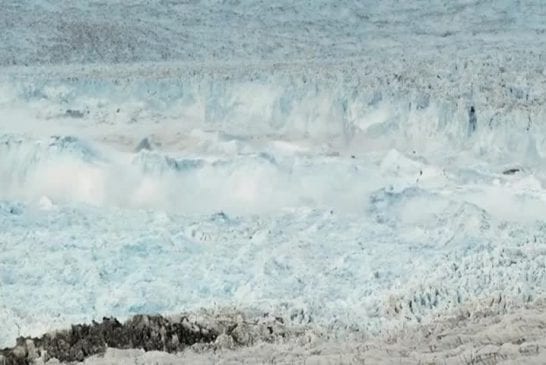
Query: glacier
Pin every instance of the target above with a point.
(336, 164)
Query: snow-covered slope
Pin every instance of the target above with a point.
(340, 165)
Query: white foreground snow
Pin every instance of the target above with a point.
(324, 170)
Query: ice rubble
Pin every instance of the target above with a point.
(333, 267)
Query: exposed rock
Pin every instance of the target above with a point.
(511, 171)
(206, 331)
(472, 120)
(150, 333)
(72, 113)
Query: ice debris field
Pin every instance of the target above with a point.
(336, 165)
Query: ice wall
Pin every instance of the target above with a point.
(205, 126)
(414, 102)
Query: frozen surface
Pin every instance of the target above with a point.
(301, 168)
(112, 31)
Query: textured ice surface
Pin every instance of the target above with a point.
(330, 171)
(111, 31)
(367, 243)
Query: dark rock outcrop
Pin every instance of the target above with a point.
(511, 171)
(472, 120)
(81, 341)
(73, 113)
